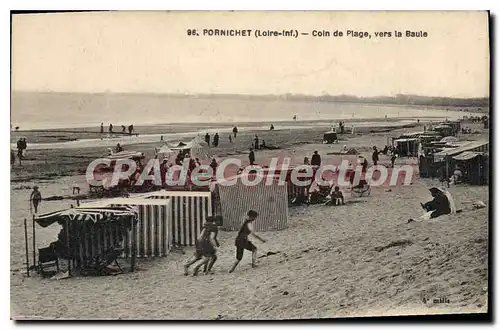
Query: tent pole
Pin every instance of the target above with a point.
(34, 240)
(134, 242)
(26, 243)
(68, 246)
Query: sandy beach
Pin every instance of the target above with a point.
(361, 259)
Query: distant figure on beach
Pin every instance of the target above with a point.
(306, 161)
(213, 165)
(385, 117)
(118, 148)
(271, 128)
(394, 155)
(20, 149)
(207, 138)
(295, 117)
(316, 159)
(102, 127)
(375, 156)
(251, 156)
(206, 248)
(242, 243)
(263, 145)
(256, 142)
(418, 121)
(35, 198)
(12, 157)
(216, 140)
(16, 128)
(111, 128)
(130, 129)
(235, 131)
(230, 139)
(124, 129)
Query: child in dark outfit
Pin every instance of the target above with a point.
(242, 243)
(205, 248)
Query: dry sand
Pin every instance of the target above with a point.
(357, 260)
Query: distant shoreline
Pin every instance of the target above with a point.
(400, 99)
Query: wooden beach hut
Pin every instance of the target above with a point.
(188, 211)
(270, 201)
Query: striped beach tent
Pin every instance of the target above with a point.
(88, 233)
(189, 210)
(270, 201)
(153, 235)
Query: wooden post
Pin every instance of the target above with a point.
(447, 175)
(34, 241)
(134, 244)
(26, 242)
(68, 245)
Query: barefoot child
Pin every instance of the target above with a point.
(242, 243)
(205, 248)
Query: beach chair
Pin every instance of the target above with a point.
(47, 258)
(109, 257)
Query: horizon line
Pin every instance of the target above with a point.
(249, 95)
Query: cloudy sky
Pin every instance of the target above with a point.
(151, 52)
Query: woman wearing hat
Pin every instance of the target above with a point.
(439, 205)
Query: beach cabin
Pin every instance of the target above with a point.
(447, 163)
(474, 167)
(445, 130)
(188, 212)
(406, 147)
(270, 201)
(330, 137)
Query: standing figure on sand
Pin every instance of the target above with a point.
(35, 199)
(235, 131)
(251, 157)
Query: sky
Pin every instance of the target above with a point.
(150, 52)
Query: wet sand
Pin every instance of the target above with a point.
(357, 260)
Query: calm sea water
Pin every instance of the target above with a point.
(67, 110)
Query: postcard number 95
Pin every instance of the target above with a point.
(192, 32)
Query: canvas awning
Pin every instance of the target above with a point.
(480, 146)
(449, 139)
(467, 155)
(405, 140)
(85, 214)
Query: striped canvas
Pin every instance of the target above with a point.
(189, 210)
(271, 202)
(153, 234)
(153, 229)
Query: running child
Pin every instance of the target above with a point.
(242, 243)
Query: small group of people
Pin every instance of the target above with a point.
(207, 244)
(124, 128)
(215, 141)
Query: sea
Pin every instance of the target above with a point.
(40, 111)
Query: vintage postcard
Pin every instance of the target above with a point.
(249, 165)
